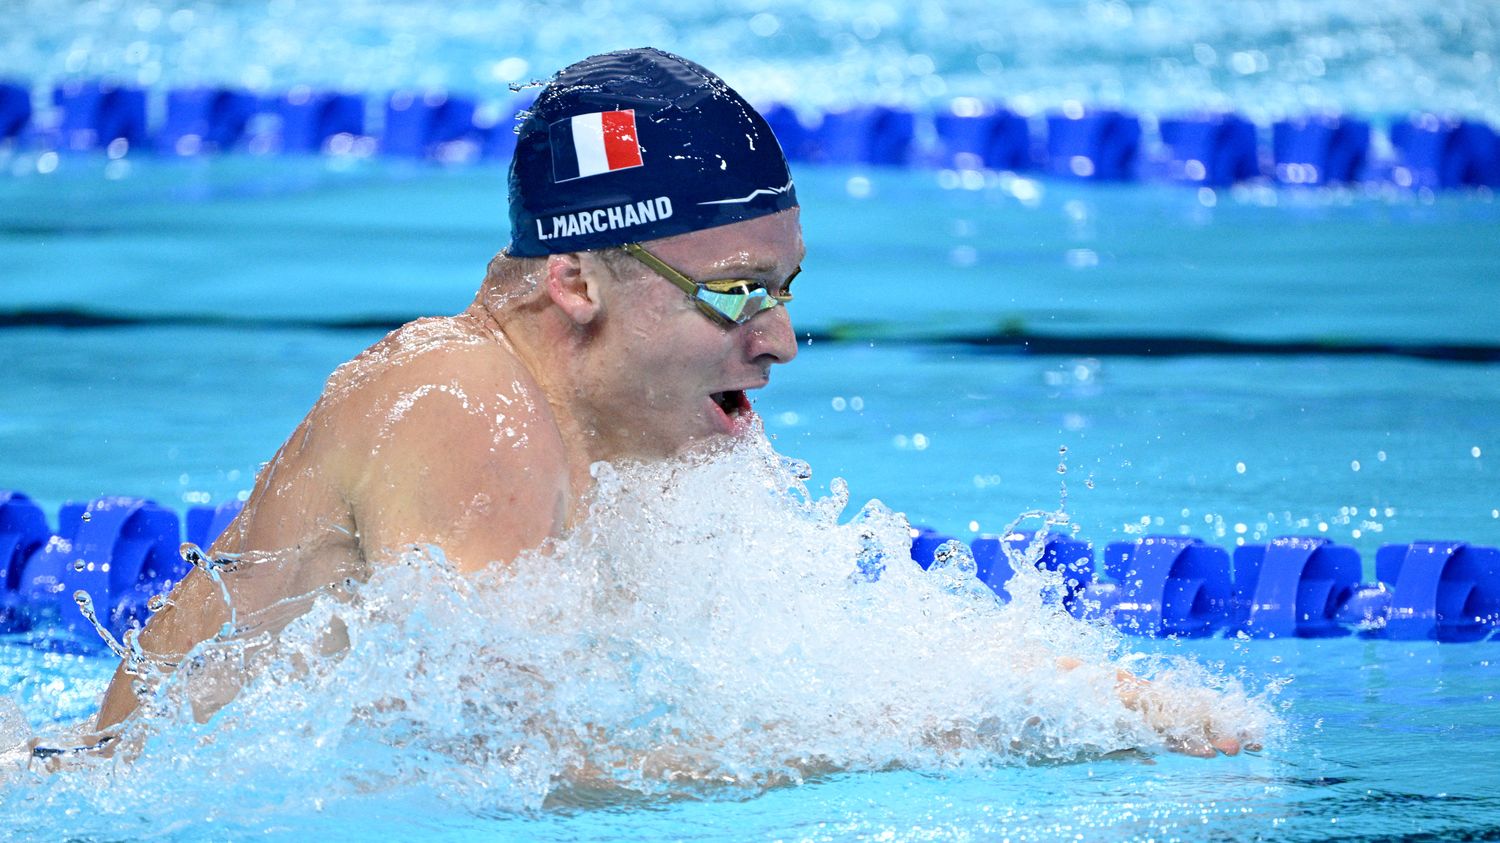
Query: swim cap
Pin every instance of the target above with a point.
(635, 145)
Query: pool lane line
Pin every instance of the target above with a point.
(1006, 340)
(1169, 345)
(73, 319)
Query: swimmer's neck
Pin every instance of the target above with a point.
(549, 348)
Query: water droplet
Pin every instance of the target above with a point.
(1062, 468)
(158, 602)
(1062, 450)
(1088, 482)
(79, 564)
(82, 598)
(87, 517)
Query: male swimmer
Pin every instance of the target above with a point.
(654, 236)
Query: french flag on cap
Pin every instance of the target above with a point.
(590, 144)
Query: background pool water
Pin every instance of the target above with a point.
(164, 323)
(1267, 59)
(234, 305)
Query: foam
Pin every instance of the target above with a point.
(710, 629)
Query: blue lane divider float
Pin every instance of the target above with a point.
(1101, 145)
(1072, 558)
(310, 118)
(974, 138)
(121, 551)
(206, 120)
(865, 135)
(23, 530)
(1215, 151)
(1444, 153)
(96, 114)
(107, 548)
(1293, 586)
(206, 523)
(418, 125)
(798, 142)
(1323, 149)
(1169, 585)
(1447, 590)
(15, 110)
(1427, 151)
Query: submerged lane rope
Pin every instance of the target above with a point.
(1002, 340)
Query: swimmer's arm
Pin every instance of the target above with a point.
(478, 473)
(1201, 737)
(194, 613)
(299, 557)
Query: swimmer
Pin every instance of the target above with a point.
(654, 239)
(654, 242)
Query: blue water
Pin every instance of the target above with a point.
(1322, 439)
(185, 413)
(1268, 59)
(1376, 740)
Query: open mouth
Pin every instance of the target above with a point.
(732, 402)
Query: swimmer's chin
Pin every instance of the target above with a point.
(705, 447)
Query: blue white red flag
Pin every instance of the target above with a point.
(589, 144)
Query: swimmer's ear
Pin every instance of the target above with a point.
(574, 290)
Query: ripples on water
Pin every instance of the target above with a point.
(710, 630)
(1265, 57)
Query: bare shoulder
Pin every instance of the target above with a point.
(436, 435)
(444, 438)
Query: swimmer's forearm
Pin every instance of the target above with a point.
(119, 701)
(193, 613)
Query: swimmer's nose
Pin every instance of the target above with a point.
(771, 339)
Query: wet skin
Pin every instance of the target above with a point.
(475, 433)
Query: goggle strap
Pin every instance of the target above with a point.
(698, 290)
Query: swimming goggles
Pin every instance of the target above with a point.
(730, 301)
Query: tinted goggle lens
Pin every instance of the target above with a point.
(739, 307)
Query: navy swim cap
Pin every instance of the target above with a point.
(635, 145)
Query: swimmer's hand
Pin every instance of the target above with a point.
(1190, 730)
(53, 755)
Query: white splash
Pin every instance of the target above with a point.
(710, 629)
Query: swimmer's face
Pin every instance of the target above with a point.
(671, 375)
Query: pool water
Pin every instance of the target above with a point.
(1234, 364)
(1379, 448)
(1377, 740)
